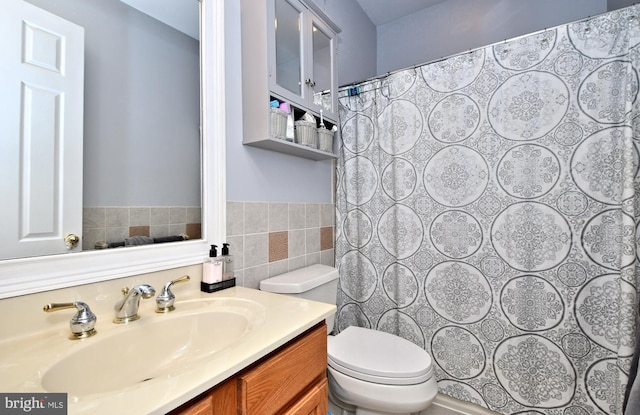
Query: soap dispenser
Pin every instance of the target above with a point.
(227, 258)
(212, 271)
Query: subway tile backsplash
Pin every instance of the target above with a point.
(268, 239)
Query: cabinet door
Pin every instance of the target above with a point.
(313, 403)
(268, 387)
(286, 53)
(321, 73)
(224, 398)
(221, 400)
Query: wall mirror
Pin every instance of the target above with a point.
(180, 117)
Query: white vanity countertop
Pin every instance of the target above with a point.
(25, 359)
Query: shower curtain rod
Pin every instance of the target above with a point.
(387, 74)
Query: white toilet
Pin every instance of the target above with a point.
(370, 372)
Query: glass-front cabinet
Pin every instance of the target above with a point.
(289, 53)
(302, 53)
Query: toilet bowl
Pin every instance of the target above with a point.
(379, 373)
(370, 372)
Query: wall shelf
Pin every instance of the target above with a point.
(283, 146)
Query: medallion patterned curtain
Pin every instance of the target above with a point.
(486, 211)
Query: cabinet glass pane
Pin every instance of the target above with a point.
(288, 52)
(322, 69)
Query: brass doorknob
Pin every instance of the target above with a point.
(71, 240)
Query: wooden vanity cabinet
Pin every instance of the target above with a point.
(290, 381)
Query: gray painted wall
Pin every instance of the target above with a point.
(357, 46)
(618, 4)
(141, 131)
(459, 25)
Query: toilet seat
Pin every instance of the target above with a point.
(379, 357)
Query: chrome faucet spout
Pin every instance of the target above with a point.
(127, 308)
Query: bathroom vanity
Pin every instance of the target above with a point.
(292, 380)
(238, 350)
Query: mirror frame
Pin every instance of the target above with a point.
(36, 274)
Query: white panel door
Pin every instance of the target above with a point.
(41, 121)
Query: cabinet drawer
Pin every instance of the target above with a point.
(287, 373)
(315, 402)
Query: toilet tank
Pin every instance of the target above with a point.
(316, 282)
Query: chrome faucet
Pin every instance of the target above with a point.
(165, 300)
(82, 323)
(127, 308)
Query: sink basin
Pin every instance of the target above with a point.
(153, 347)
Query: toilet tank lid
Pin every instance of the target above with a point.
(300, 280)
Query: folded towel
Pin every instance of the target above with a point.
(169, 239)
(137, 240)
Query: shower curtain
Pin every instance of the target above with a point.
(486, 211)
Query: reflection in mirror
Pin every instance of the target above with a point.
(139, 132)
(29, 275)
(288, 52)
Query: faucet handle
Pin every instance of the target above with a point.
(165, 300)
(82, 323)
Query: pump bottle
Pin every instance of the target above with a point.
(227, 258)
(212, 268)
